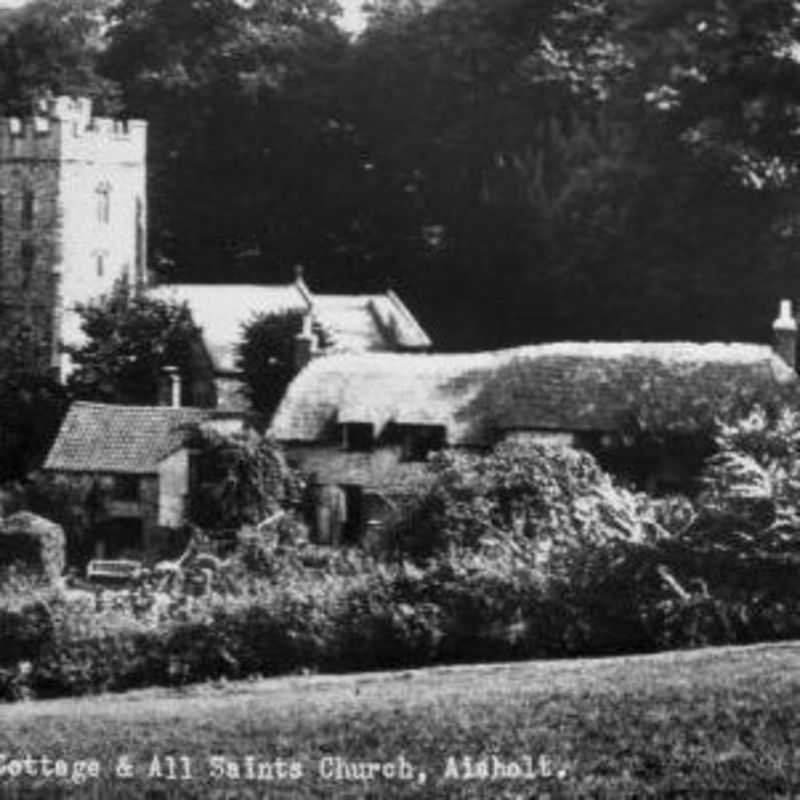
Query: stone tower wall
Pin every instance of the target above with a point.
(74, 214)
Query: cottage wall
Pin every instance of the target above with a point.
(381, 468)
(558, 438)
(108, 512)
(152, 537)
(173, 480)
(231, 393)
(368, 480)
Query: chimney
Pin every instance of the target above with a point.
(785, 333)
(303, 344)
(171, 391)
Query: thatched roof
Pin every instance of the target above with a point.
(565, 386)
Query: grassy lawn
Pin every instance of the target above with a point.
(723, 720)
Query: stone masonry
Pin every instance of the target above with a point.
(73, 215)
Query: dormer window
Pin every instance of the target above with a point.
(418, 441)
(103, 197)
(358, 436)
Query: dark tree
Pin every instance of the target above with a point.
(32, 403)
(267, 357)
(130, 339)
(53, 47)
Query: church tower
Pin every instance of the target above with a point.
(73, 215)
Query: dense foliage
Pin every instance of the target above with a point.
(640, 152)
(267, 356)
(32, 402)
(241, 479)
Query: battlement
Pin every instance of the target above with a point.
(64, 129)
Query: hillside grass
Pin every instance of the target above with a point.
(723, 721)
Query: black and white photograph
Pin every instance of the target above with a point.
(399, 399)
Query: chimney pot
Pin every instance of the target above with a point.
(785, 334)
(303, 344)
(174, 376)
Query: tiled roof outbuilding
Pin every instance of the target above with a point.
(104, 438)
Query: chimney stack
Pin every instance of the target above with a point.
(785, 334)
(172, 391)
(303, 344)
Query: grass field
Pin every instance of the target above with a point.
(724, 721)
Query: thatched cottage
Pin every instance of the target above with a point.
(361, 426)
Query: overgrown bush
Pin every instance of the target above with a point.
(526, 552)
(36, 542)
(732, 570)
(65, 500)
(243, 478)
(551, 495)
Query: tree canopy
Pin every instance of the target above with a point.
(32, 402)
(559, 169)
(129, 340)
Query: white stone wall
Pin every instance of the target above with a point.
(86, 237)
(80, 251)
(173, 489)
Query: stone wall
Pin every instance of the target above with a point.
(30, 245)
(74, 213)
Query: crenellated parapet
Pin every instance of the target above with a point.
(64, 129)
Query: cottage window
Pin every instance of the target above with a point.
(103, 193)
(421, 440)
(2, 220)
(126, 488)
(357, 436)
(28, 203)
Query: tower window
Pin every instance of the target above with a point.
(100, 262)
(103, 193)
(27, 257)
(27, 209)
(2, 203)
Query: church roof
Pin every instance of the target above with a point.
(563, 386)
(352, 323)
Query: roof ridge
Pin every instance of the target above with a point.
(394, 298)
(143, 407)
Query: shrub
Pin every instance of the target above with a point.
(24, 631)
(243, 479)
(34, 541)
(553, 495)
(526, 552)
(266, 355)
